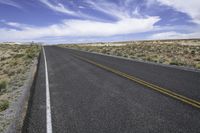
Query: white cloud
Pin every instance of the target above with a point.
(110, 8)
(175, 35)
(14, 24)
(58, 7)
(81, 28)
(136, 12)
(10, 3)
(190, 7)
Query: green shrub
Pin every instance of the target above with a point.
(4, 104)
(18, 55)
(151, 59)
(13, 63)
(103, 51)
(29, 55)
(3, 85)
(175, 62)
(197, 66)
(30, 52)
(161, 60)
(118, 53)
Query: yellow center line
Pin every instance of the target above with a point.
(167, 92)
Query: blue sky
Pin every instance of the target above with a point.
(66, 21)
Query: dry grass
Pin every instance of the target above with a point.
(172, 52)
(15, 61)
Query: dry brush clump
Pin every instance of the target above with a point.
(172, 52)
(4, 104)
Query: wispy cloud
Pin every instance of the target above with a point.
(14, 24)
(118, 10)
(61, 8)
(58, 7)
(108, 8)
(10, 3)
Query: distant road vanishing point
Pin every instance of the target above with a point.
(81, 92)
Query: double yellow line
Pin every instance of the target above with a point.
(167, 92)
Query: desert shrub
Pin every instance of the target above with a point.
(193, 52)
(13, 63)
(19, 70)
(118, 53)
(103, 51)
(149, 59)
(3, 85)
(11, 73)
(31, 52)
(18, 55)
(176, 62)
(5, 71)
(140, 55)
(161, 60)
(29, 56)
(197, 66)
(2, 58)
(16, 50)
(197, 59)
(173, 63)
(4, 104)
(125, 55)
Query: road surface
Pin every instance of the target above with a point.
(92, 93)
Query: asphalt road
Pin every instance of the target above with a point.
(88, 99)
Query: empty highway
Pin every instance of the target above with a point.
(81, 92)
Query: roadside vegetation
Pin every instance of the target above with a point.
(171, 52)
(15, 62)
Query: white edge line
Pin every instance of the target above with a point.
(48, 104)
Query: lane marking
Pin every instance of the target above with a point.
(48, 103)
(164, 91)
